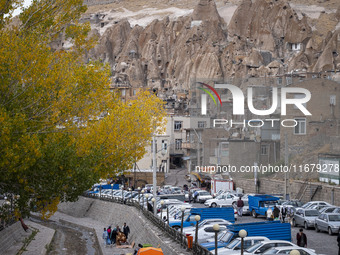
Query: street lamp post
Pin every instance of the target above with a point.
(112, 191)
(294, 252)
(122, 194)
(197, 219)
(143, 199)
(130, 193)
(153, 200)
(167, 215)
(242, 233)
(146, 196)
(216, 228)
(162, 203)
(183, 210)
(138, 195)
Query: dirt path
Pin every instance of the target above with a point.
(70, 240)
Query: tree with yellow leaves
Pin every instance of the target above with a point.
(61, 128)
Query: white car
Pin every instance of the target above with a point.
(202, 196)
(311, 203)
(222, 200)
(236, 243)
(287, 250)
(203, 223)
(207, 231)
(261, 247)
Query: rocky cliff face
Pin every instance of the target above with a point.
(264, 37)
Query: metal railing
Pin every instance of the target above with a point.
(171, 232)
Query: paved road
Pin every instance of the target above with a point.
(176, 177)
(321, 242)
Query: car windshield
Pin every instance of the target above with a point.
(306, 205)
(309, 213)
(233, 244)
(334, 217)
(251, 249)
(270, 203)
(226, 237)
(204, 193)
(202, 223)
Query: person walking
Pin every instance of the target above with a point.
(106, 237)
(240, 205)
(301, 238)
(126, 230)
(276, 212)
(283, 214)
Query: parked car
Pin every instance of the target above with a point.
(311, 203)
(288, 249)
(247, 242)
(202, 196)
(330, 209)
(305, 217)
(261, 247)
(329, 222)
(293, 203)
(207, 231)
(204, 223)
(222, 199)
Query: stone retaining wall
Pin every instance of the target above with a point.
(11, 239)
(142, 231)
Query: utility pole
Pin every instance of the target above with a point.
(286, 163)
(154, 175)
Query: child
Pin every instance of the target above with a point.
(105, 236)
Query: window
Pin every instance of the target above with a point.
(264, 149)
(201, 124)
(300, 128)
(332, 100)
(134, 92)
(178, 125)
(178, 144)
(224, 149)
(279, 81)
(164, 146)
(123, 92)
(289, 80)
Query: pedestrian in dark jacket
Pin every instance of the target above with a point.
(240, 205)
(150, 207)
(276, 212)
(126, 230)
(301, 238)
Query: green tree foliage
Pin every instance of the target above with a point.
(61, 128)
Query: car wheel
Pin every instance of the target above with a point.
(305, 225)
(213, 205)
(294, 223)
(330, 231)
(254, 214)
(234, 204)
(317, 228)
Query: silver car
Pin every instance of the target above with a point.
(305, 217)
(329, 222)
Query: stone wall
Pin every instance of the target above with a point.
(142, 231)
(11, 239)
(271, 186)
